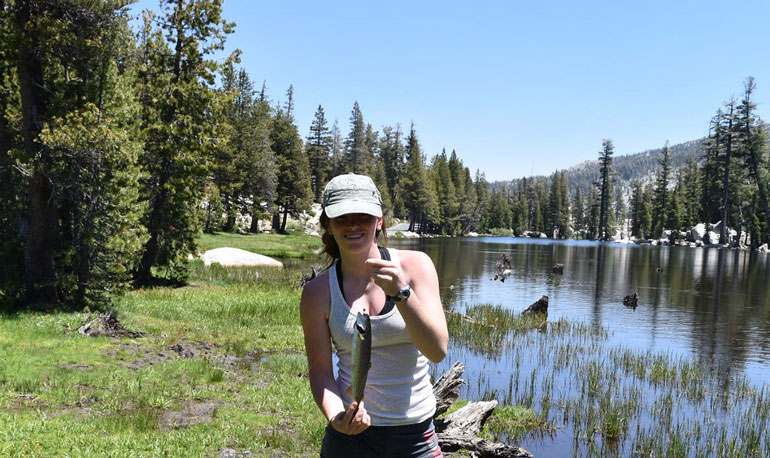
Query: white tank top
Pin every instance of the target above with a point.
(398, 388)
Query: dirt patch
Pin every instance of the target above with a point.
(107, 324)
(232, 453)
(75, 366)
(192, 414)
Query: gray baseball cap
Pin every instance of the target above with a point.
(351, 193)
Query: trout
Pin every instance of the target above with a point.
(362, 354)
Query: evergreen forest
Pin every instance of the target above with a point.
(120, 144)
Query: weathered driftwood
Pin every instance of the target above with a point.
(459, 429)
(541, 306)
(469, 419)
(480, 447)
(107, 324)
(447, 387)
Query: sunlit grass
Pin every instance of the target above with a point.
(296, 245)
(63, 394)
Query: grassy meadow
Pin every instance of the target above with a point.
(222, 369)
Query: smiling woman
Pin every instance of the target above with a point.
(398, 290)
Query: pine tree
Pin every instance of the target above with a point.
(237, 96)
(11, 182)
(446, 193)
(558, 206)
(392, 155)
(337, 151)
(754, 149)
(318, 147)
(75, 146)
(578, 210)
(636, 209)
(712, 176)
(357, 156)
(604, 188)
(482, 201)
(620, 210)
(259, 168)
(691, 178)
(729, 136)
(293, 193)
(661, 199)
(416, 191)
(179, 127)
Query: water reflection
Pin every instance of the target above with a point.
(703, 303)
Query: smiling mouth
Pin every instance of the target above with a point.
(354, 236)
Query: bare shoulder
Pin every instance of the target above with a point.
(415, 263)
(315, 294)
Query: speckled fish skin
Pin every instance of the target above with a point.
(362, 354)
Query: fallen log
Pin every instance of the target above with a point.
(480, 447)
(447, 388)
(460, 429)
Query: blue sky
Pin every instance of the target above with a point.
(516, 88)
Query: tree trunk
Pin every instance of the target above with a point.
(726, 180)
(41, 223)
(254, 227)
(143, 275)
(40, 242)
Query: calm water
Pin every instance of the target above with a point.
(699, 304)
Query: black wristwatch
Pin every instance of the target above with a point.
(403, 294)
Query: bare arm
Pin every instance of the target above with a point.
(422, 311)
(314, 308)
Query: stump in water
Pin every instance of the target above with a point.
(460, 429)
(631, 300)
(107, 324)
(315, 269)
(541, 306)
(503, 267)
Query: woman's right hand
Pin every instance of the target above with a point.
(354, 420)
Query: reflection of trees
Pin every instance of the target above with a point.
(721, 296)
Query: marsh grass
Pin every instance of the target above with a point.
(613, 401)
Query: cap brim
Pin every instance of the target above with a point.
(351, 206)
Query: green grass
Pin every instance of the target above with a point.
(63, 394)
(296, 245)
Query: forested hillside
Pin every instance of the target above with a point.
(638, 166)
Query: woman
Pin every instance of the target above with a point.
(399, 290)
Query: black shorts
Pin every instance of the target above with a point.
(409, 441)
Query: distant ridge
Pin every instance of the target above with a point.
(638, 166)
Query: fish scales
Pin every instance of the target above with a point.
(362, 354)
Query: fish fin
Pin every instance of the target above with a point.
(349, 391)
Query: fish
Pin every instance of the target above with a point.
(362, 354)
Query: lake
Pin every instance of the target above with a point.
(701, 307)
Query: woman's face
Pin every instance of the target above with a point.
(355, 230)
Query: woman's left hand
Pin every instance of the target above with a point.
(387, 275)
